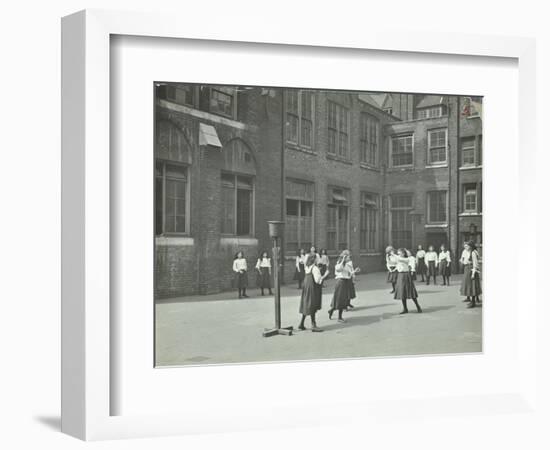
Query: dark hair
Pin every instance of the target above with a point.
(300, 251)
(443, 246)
(323, 251)
(472, 245)
(310, 260)
(237, 254)
(402, 250)
(313, 246)
(264, 252)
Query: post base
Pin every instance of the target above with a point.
(286, 331)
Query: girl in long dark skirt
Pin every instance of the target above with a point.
(445, 265)
(391, 262)
(343, 272)
(324, 262)
(420, 262)
(241, 276)
(263, 266)
(431, 262)
(471, 284)
(405, 288)
(312, 293)
(300, 264)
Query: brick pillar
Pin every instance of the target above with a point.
(208, 209)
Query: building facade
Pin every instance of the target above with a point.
(342, 169)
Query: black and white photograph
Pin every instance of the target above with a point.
(298, 224)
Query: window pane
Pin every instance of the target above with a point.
(292, 207)
(158, 206)
(228, 210)
(437, 206)
(244, 212)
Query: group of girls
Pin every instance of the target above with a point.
(263, 268)
(402, 266)
(321, 261)
(429, 264)
(316, 270)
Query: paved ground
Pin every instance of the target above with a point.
(223, 329)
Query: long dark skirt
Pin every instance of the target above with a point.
(310, 302)
(341, 297)
(352, 294)
(405, 288)
(264, 278)
(392, 276)
(470, 286)
(444, 269)
(421, 267)
(241, 280)
(432, 270)
(300, 274)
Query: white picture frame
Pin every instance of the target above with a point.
(87, 325)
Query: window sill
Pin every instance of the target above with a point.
(369, 167)
(437, 166)
(470, 167)
(339, 159)
(299, 148)
(238, 240)
(401, 169)
(436, 225)
(176, 240)
(470, 214)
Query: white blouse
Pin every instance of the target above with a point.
(431, 256)
(344, 271)
(239, 264)
(412, 263)
(391, 262)
(402, 264)
(420, 254)
(263, 262)
(464, 257)
(314, 270)
(474, 261)
(445, 256)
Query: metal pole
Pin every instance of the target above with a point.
(276, 281)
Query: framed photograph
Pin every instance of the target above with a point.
(248, 216)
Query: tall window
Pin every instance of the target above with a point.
(471, 151)
(402, 150)
(468, 150)
(170, 198)
(338, 131)
(470, 196)
(437, 207)
(437, 146)
(299, 215)
(338, 219)
(299, 113)
(237, 205)
(401, 224)
(368, 229)
(369, 139)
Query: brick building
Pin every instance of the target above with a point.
(342, 169)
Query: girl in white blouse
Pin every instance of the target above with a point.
(431, 262)
(445, 265)
(241, 277)
(312, 293)
(471, 284)
(324, 262)
(263, 266)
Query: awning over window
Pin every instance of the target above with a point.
(209, 136)
(338, 197)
